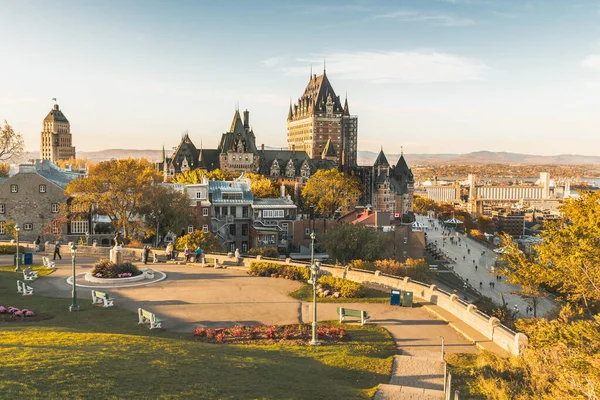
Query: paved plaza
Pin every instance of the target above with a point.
(466, 269)
(193, 296)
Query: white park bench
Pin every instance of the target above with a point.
(24, 289)
(101, 297)
(48, 263)
(29, 274)
(146, 317)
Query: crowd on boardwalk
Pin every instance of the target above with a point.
(475, 263)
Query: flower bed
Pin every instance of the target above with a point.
(339, 287)
(275, 270)
(15, 314)
(269, 334)
(105, 269)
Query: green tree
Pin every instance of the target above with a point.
(11, 143)
(347, 242)
(330, 190)
(119, 188)
(166, 210)
(207, 241)
(196, 175)
(422, 205)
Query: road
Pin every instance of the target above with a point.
(483, 274)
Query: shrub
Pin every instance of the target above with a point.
(265, 268)
(208, 242)
(201, 332)
(136, 244)
(11, 249)
(270, 252)
(361, 264)
(345, 287)
(108, 269)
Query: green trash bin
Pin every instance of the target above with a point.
(407, 299)
(20, 259)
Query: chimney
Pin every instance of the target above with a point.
(262, 148)
(293, 148)
(282, 191)
(246, 119)
(55, 107)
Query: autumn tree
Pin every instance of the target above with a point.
(523, 271)
(262, 187)
(330, 190)
(118, 188)
(196, 175)
(165, 210)
(207, 241)
(75, 163)
(11, 143)
(422, 205)
(347, 242)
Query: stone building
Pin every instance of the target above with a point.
(319, 120)
(237, 152)
(56, 138)
(272, 223)
(31, 198)
(391, 187)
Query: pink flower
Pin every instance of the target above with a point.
(336, 294)
(18, 313)
(98, 275)
(29, 314)
(2, 309)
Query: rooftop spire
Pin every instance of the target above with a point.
(163, 154)
(324, 65)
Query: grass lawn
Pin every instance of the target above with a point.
(103, 353)
(305, 293)
(41, 270)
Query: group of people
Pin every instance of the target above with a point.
(172, 254)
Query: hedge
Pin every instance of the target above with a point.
(265, 268)
(11, 249)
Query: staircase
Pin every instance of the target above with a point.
(414, 378)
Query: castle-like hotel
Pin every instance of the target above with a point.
(321, 134)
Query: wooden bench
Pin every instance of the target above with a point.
(29, 274)
(347, 312)
(24, 289)
(101, 297)
(146, 317)
(48, 263)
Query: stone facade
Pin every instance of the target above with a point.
(56, 138)
(237, 152)
(30, 200)
(318, 119)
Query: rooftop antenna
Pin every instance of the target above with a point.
(401, 150)
(324, 65)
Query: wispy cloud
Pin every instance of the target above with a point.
(271, 61)
(592, 61)
(397, 66)
(17, 100)
(438, 19)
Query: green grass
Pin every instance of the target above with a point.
(103, 353)
(305, 293)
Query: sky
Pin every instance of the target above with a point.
(432, 76)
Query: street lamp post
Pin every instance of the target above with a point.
(17, 229)
(314, 269)
(74, 306)
(87, 238)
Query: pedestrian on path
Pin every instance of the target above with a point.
(146, 254)
(475, 267)
(480, 285)
(57, 250)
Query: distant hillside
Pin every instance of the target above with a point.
(481, 157)
(368, 157)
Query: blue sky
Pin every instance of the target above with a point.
(432, 76)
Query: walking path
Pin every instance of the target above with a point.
(414, 378)
(466, 269)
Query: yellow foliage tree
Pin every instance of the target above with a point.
(196, 175)
(262, 187)
(118, 187)
(330, 190)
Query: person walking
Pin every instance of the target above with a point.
(198, 254)
(146, 254)
(37, 243)
(187, 253)
(169, 251)
(57, 250)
